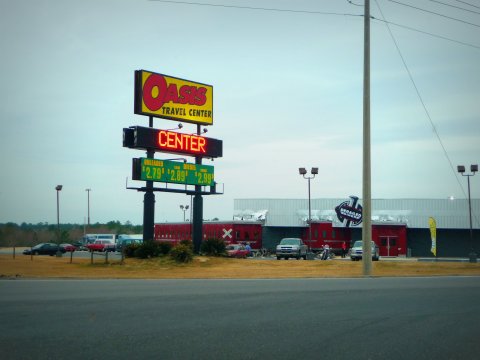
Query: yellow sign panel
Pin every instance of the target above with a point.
(172, 98)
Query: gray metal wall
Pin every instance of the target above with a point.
(271, 236)
(450, 242)
(449, 214)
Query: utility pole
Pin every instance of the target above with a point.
(367, 184)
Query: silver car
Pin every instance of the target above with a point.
(356, 251)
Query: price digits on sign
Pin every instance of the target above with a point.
(204, 178)
(177, 175)
(174, 172)
(153, 173)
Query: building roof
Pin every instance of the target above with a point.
(415, 213)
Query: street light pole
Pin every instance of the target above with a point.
(473, 170)
(184, 209)
(88, 206)
(58, 188)
(303, 172)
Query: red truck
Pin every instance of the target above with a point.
(101, 245)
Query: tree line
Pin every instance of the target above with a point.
(27, 234)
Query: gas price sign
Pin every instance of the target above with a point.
(172, 172)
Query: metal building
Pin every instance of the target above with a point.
(289, 217)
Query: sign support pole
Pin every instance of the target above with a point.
(149, 201)
(197, 232)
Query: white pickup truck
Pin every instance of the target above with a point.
(356, 251)
(291, 247)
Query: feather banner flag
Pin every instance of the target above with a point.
(433, 233)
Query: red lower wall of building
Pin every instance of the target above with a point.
(391, 239)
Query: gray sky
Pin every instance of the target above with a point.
(287, 94)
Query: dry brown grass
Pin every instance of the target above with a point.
(222, 268)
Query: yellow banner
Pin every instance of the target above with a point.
(172, 98)
(433, 233)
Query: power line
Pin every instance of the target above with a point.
(466, 3)
(257, 8)
(352, 3)
(455, 7)
(427, 33)
(434, 128)
(434, 13)
(314, 12)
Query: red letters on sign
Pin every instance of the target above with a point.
(184, 142)
(156, 93)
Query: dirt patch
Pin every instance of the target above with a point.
(220, 268)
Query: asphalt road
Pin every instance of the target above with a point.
(367, 318)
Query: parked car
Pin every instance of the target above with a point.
(356, 251)
(125, 241)
(68, 247)
(44, 249)
(237, 251)
(79, 245)
(291, 247)
(101, 245)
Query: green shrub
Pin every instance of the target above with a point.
(213, 247)
(129, 250)
(187, 242)
(164, 247)
(147, 249)
(182, 253)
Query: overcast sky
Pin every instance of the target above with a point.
(287, 94)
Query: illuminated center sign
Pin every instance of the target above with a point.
(139, 137)
(172, 98)
(172, 172)
(183, 142)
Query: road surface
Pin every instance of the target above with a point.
(366, 318)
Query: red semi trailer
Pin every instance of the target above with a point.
(232, 232)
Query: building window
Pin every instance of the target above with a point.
(333, 234)
(324, 234)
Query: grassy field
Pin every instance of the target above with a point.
(217, 268)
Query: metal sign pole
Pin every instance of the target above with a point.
(197, 232)
(149, 201)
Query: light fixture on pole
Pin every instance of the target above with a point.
(58, 188)
(179, 126)
(184, 209)
(473, 170)
(302, 171)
